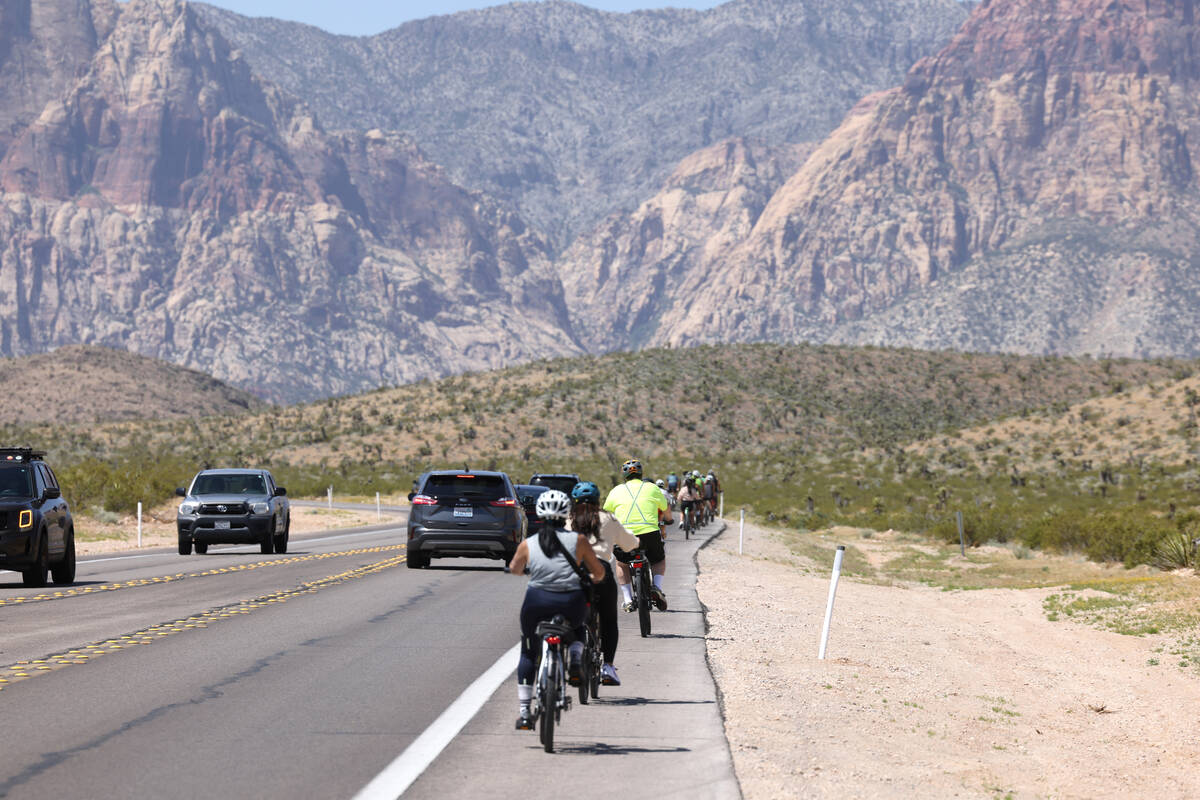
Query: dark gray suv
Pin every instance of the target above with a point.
(233, 506)
(464, 514)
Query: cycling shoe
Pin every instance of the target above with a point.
(525, 721)
(608, 675)
(660, 599)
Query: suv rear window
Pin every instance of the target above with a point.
(475, 487)
(16, 481)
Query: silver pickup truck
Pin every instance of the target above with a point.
(234, 506)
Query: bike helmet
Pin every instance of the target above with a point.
(660, 483)
(586, 492)
(552, 504)
(631, 467)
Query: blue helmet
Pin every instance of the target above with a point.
(586, 492)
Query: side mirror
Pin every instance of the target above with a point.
(280, 491)
(181, 492)
(411, 495)
(53, 493)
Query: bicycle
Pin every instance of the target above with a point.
(593, 656)
(639, 570)
(550, 696)
(688, 523)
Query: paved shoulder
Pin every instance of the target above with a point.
(663, 724)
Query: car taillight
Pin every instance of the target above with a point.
(553, 640)
(424, 500)
(506, 502)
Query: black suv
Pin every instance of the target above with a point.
(464, 513)
(561, 481)
(235, 506)
(37, 534)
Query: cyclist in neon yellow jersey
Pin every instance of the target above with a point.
(639, 505)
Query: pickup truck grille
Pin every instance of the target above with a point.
(227, 509)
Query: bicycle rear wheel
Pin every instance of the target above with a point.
(644, 601)
(549, 709)
(585, 671)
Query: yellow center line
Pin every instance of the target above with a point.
(24, 670)
(179, 576)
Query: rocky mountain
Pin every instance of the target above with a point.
(572, 113)
(1030, 188)
(82, 384)
(165, 200)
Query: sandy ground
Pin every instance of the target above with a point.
(158, 528)
(927, 693)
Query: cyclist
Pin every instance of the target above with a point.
(672, 483)
(585, 519)
(667, 493)
(712, 473)
(639, 506)
(688, 496)
(708, 495)
(554, 588)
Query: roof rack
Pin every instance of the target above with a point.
(16, 454)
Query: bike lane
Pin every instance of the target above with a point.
(663, 724)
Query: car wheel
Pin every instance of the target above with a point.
(35, 574)
(201, 548)
(415, 560)
(185, 545)
(267, 545)
(64, 571)
(281, 541)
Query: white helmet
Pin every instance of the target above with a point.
(660, 483)
(552, 504)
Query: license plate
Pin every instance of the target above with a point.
(221, 526)
(464, 512)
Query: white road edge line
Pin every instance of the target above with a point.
(408, 766)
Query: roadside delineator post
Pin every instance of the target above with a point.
(962, 547)
(378, 508)
(329, 494)
(741, 530)
(139, 523)
(837, 571)
(722, 512)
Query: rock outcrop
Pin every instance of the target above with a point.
(1029, 188)
(172, 203)
(571, 113)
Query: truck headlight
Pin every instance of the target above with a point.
(188, 509)
(260, 508)
(25, 520)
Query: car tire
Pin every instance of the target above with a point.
(35, 574)
(267, 545)
(201, 548)
(64, 571)
(185, 545)
(416, 560)
(281, 541)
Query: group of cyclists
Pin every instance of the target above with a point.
(582, 542)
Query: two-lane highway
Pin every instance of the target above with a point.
(238, 674)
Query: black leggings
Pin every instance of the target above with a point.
(541, 605)
(606, 604)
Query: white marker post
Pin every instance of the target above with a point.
(722, 512)
(329, 494)
(741, 530)
(378, 507)
(139, 523)
(962, 547)
(837, 572)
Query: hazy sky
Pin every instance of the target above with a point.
(363, 17)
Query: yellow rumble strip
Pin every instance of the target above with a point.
(23, 670)
(179, 576)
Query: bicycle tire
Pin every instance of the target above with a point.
(585, 672)
(644, 603)
(549, 710)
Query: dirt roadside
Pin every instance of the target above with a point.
(931, 693)
(158, 528)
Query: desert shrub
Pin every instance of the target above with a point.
(1129, 536)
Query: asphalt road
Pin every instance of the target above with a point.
(238, 674)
